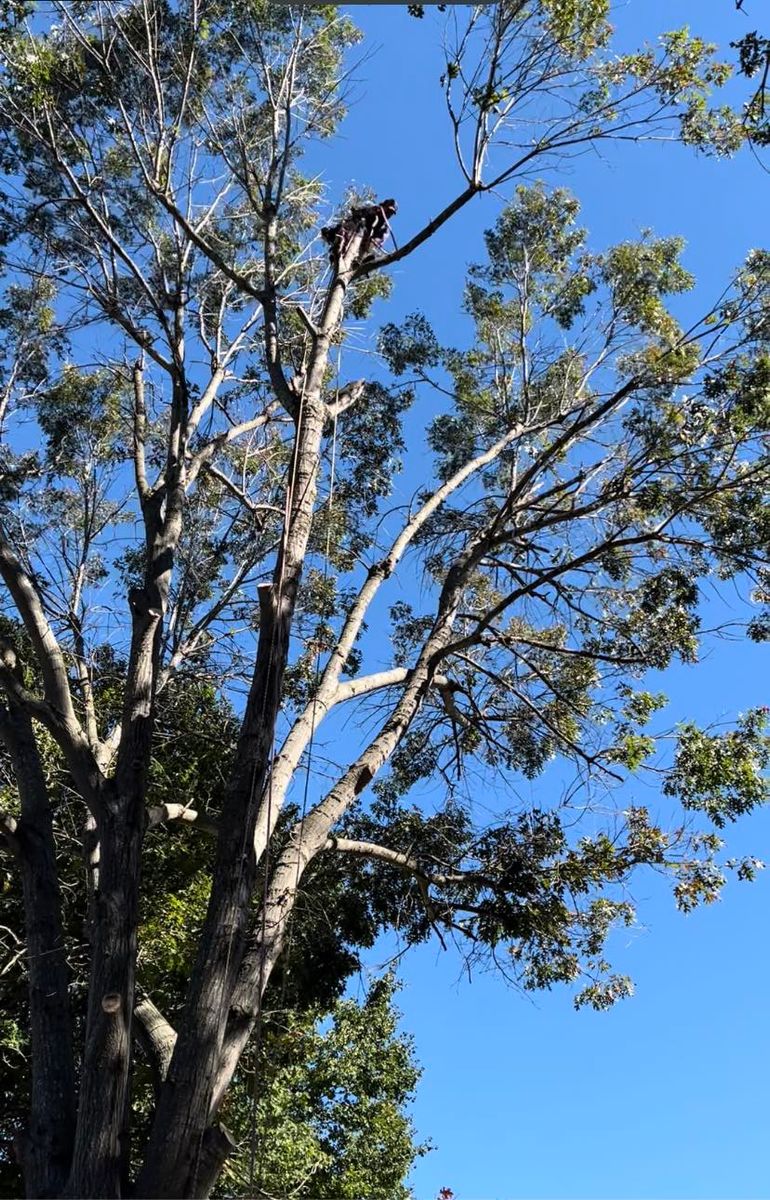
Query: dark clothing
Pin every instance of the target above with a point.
(368, 220)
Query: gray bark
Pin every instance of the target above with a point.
(158, 1039)
(98, 1164)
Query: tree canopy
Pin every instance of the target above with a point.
(198, 507)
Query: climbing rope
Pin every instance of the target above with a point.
(288, 507)
(258, 1032)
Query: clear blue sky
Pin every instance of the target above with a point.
(666, 1095)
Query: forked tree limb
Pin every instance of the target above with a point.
(157, 1037)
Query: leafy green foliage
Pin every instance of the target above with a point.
(418, 10)
(80, 416)
(582, 28)
(687, 72)
(330, 1115)
(669, 494)
(723, 774)
(754, 63)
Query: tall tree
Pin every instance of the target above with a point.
(212, 497)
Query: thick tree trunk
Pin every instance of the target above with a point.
(216, 1147)
(98, 1161)
(175, 1163)
(100, 1158)
(158, 1039)
(45, 1147)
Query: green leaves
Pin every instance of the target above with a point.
(82, 418)
(579, 27)
(411, 345)
(602, 995)
(685, 75)
(335, 1076)
(723, 775)
(535, 234)
(754, 60)
(533, 248)
(418, 10)
(634, 479)
(330, 1104)
(594, 473)
(639, 275)
(29, 336)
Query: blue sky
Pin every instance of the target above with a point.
(666, 1095)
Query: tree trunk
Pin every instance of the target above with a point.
(100, 1148)
(45, 1147)
(175, 1158)
(100, 1163)
(173, 1165)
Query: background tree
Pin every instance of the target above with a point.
(754, 64)
(211, 496)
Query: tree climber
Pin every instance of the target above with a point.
(370, 221)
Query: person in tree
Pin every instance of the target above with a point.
(371, 221)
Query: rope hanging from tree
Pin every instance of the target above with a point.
(254, 1175)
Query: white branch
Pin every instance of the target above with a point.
(160, 814)
(397, 858)
(47, 650)
(206, 452)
